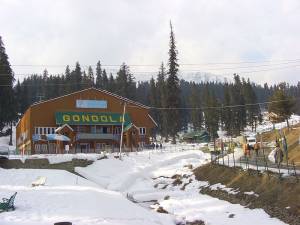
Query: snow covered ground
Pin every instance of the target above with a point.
(268, 126)
(67, 197)
(147, 178)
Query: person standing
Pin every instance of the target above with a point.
(285, 147)
(256, 148)
(278, 155)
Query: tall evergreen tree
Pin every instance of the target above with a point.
(211, 113)
(195, 103)
(99, 83)
(68, 87)
(104, 80)
(253, 114)
(125, 84)
(238, 113)
(173, 89)
(76, 78)
(153, 100)
(162, 101)
(90, 76)
(282, 104)
(226, 112)
(111, 86)
(7, 96)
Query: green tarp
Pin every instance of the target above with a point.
(197, 136)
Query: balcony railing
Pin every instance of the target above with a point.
(95, 136)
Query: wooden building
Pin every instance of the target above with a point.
(85, 121)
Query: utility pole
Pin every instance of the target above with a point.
(121, 140)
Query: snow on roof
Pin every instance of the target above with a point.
(61, 127)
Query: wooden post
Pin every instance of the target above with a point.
(122, 130)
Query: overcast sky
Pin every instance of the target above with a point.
(61, 32)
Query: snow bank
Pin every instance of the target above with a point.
(59, 158)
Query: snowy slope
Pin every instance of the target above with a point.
(146, 178)
(67, 197)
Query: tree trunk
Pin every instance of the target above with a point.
(288, 124)
(11, 133)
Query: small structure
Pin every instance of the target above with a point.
(196, 137)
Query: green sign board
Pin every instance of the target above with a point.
(91, 118)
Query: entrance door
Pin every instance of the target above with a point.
(84, 147)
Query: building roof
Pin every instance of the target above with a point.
(100, 90)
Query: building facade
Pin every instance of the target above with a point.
(87, 121)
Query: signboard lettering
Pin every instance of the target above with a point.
(91, 118)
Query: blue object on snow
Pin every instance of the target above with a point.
(57, 137)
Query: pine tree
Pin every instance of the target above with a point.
(195, 103)
(76, 78)
(111, 86)
(253, 114)
(173, 89)
(7, 97)
(85, 82)
(90, 77)
(18, 97)
(282, 104)
(68, 87)
(238, 113)
(162, 101)
(153, 100)
(211, 113)
(104, 80)
(125, 84)
(226, 113)
(99, 83)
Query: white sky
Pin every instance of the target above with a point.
(61, 32)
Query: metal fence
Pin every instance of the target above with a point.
(259, 163)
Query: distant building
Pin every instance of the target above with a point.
(196, 136)
(85, 121)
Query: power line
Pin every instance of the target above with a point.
(282, 61)
(181, 70)
(216, 107)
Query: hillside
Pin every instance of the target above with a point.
(292, 135)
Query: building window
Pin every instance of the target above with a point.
(80, 129)
(93, 129)
(118, 130)
(142, 130)
(36, 130)
(53, 130)
(104, 130)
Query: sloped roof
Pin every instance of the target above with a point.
(99, 90)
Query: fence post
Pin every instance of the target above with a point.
(295, 171)
(241, 162)
(266, 165)
(233, 158)
(278, 165)
(256, 164)
(222, 150)
(228, 159)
